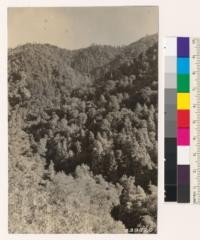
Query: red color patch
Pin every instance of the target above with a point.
(183, 118)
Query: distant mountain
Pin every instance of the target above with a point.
(48, 71)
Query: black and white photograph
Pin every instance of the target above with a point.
(82, 120)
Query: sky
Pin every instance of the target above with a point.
(78, 27)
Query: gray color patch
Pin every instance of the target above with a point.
(170, 97)
(170, 64)
(170, 80)
(170, 112)
(170, 129)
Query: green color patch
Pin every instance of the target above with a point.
(183, 83)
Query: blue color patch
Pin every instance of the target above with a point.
(183, 65)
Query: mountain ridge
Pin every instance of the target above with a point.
(44, 68)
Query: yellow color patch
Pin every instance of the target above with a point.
(183, 101)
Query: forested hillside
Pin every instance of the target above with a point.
(83, 138)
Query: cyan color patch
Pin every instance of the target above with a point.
(183, 66)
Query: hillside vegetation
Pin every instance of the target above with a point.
(83, 138)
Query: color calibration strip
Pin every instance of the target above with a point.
(177, 119)
(182, 120)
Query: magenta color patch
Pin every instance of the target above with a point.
(183, 136)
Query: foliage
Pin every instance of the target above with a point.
(88, 125)
(137, 208)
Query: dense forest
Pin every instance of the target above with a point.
(83, 138)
